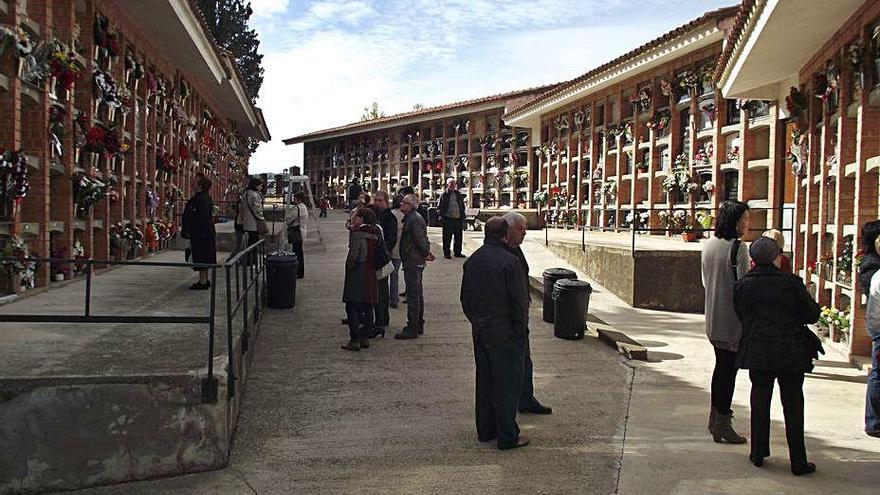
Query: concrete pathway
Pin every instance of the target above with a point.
(667, 448)
(398, 418)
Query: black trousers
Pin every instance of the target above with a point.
(499, 383)
(383, 319)
(301, 265)
(791, 392)
(452, 228)
(723, 380)
(527, 396)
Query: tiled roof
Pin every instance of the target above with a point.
(714, 15)
(425, 112)
(733, 39)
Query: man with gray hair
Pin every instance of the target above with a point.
(515, 234)
(452, 217)
(415, 250)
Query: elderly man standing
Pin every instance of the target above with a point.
(415, 250)
(495, 300)
(516, 225)
(451, 211)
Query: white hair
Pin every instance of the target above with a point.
(449, 181)
(513, 218)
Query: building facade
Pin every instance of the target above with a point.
(467, 140)
(827, 88)
(109, 110)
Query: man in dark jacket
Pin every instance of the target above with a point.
(516, 232)
(354, 191)
(452, 217)
(415, 250)
(871, 259)
(389, 233)
(774, 308)
(495, 299)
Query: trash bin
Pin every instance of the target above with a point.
(433, 217)
(281, 280)
(551, 275)
(571, 302)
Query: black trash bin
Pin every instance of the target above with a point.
(433, 217)
(281, 280)
(551, 275)
(572, 301)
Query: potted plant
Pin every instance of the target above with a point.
(689, 227)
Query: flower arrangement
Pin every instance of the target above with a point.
(21, 269)
(16, 37)
(798, 152)
(831, 317)
(710, 112)
(626, 132)
(613, 132)
(704, 219)
(733, 154)
(105, 89)
(540, 197)
(856, 55)
(14, 184)
(688, 80)
(845, 262)
(152, 202)
(659, 122)
(825, 83)
(63, 64)
(795, 102)
(125, 237)
(704, 155)
(706, 74)
(105, 38)
(87, 192)
(666, 88)
(641, 99)
(609, 190)
(709, 187)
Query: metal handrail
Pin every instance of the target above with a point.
(254, 255)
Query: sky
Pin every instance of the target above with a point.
(325, 61)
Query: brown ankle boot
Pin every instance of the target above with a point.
(723, 430)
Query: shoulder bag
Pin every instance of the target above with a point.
(734, 257)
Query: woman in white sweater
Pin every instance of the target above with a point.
(725, 259)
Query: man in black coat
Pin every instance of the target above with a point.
(774, 308)
(495, 300)
(516, 232)
(452, 217)
(354, 191)
(388, 222)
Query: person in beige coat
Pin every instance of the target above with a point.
(250, 212)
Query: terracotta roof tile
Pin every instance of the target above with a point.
(713, 15)
(366, 125)
(742, 17)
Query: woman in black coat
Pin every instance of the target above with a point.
(774, 308)
(198, 227)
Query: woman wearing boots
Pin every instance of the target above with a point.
(774, 308)
(725, 260)
(360, 293)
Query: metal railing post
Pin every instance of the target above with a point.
(88, 286)
(209, 385)
(245, 315)
(230, 378)
(633, 246)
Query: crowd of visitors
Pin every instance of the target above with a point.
(757, 312)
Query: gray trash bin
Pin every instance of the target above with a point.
(281, 280)
(551, 275)
(571, 300)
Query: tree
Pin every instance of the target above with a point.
(417, 107)
(228, 22)
(372, 113)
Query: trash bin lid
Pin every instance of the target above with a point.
(568, 284)
(282, 259)
(559, 273)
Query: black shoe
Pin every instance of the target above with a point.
(459, 255)
(345, 321)
(200, 286)
(799, 470)
(365, 343)
(378, 332)
(402, 294)
(538, 409)
(447, 256)
(406, 335)
(757, 460)
(392, 306)
(352, 346)
(522, 441)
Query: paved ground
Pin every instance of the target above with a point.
(398, 418)
(667, 449)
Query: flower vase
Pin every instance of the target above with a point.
(111, 113)
(689, 236)
(20, 67)
(53, 83)
(94, 160)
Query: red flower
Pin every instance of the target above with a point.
(183, 152)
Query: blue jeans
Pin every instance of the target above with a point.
(394, 280)
(872, 396)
